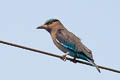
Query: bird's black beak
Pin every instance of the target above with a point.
(40, 27)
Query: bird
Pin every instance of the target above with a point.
(67, 42)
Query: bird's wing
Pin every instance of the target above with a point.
(69, 40)
(60, 46)
(66, 38)
(82, 48)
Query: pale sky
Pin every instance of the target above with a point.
(95, 22)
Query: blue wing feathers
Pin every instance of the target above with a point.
(72, 43)
(79, 55)
(68, 46)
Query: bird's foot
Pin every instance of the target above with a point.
(74, 60)
(64, 56)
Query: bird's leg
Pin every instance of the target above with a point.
(64, 56)
(74, 60)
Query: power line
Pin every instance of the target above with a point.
(54, 55)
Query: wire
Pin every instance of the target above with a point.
(58, 56)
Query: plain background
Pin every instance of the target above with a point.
(96, 22)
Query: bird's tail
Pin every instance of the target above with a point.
(95, 65)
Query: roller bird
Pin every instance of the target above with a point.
(67, 42)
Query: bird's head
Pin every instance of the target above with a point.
(50, 25)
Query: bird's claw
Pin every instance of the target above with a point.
(64, 56)
(74, 60)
